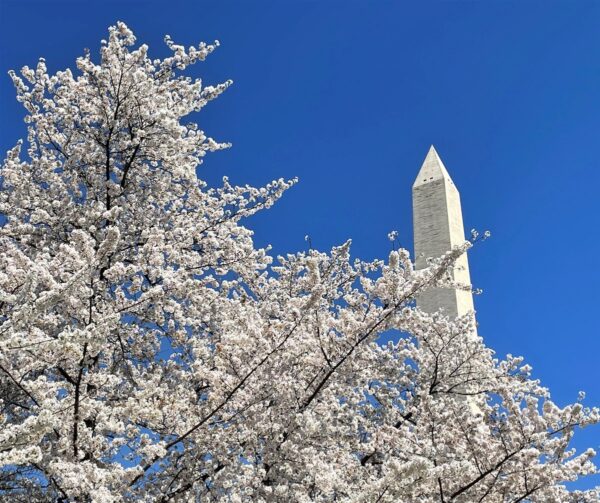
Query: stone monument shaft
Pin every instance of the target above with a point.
(438, 227)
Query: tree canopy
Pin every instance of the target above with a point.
(149, 351)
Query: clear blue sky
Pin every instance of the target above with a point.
(349, 95)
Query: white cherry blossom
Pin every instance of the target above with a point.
(149, 351)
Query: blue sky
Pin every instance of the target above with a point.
(349, 95)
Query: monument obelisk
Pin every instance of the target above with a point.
(438, 227)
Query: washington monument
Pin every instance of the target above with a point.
(438, 227)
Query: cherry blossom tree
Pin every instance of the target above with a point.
(149, 351)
